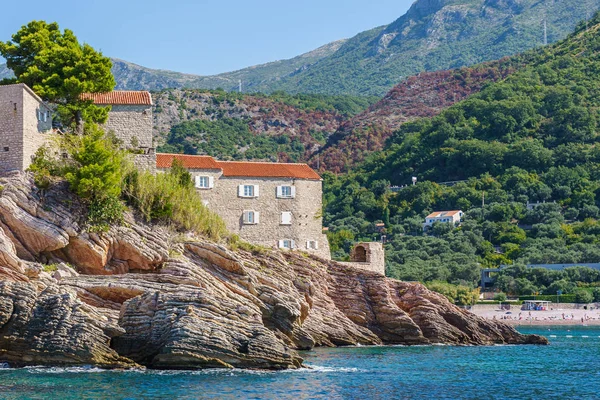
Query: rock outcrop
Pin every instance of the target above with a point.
(134, 296)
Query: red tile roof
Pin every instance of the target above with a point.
(268, 170)
(240, 168)
(120, 97)
(437, 214)
(191, 162)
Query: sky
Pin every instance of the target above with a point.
(204, 37)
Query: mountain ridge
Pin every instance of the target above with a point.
(432, 35)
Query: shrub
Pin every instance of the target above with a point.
(583, 296)
(168, 199)
(98, 166)
(104, 212)
(596, 294)
(50, 268)
(458, 294)
(500, 297)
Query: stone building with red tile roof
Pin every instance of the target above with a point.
(276, 205)
(130, 120)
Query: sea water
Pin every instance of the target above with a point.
(567, 369)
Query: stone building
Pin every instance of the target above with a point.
(25, 125)
(277, 205)
(130, 120)
(369, 256)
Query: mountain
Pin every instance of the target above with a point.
(422, 95)
(231, 125)
(520, 158)
(130, 76)
(433, 35)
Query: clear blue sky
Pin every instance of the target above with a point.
(204, 37)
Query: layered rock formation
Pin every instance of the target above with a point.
(136, 296)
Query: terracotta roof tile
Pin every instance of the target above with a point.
(437, 214)
(240, 168)
(191, 162)
(268, 170)
(120, 97)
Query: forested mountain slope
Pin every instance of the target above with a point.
(530, 137)
(229, 125)
(422, 95)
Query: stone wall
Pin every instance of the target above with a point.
(11, 126)
(146, 162)
(36, 132)
(132, 124)
(306, 224)
(368, 256)
(21, 131)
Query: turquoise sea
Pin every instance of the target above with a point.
(567, 369)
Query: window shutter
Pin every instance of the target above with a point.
(279, 191)
(281, 244)
(211, 182)
(241, 190)
(256, 217)
(293, 191)
(316, 245)
(308, 244)
(197, 178)
(286, 218)
(293, 244)
(245, 217)
(255, 190)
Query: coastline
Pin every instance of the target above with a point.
(553, 317)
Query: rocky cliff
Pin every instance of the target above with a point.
(140, 295)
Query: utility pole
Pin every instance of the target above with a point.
(545, 23)
(482, 206)
(240, 85)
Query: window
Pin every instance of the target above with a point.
(312, 245)
(250, 217)
(286, 218)
(6, 149)
(286, 192)
(248, 191)
(204, 182)
(286, 244)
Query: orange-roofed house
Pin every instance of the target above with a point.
(277, 205)
(130, 120)
(451, 217)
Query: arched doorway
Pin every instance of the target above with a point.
(360, 254)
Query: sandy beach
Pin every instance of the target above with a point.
(556, 316)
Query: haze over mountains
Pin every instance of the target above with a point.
(432, 35)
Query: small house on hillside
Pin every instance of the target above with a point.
(450, 217)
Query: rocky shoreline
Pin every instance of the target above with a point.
(139, 295)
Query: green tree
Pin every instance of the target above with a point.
(60, 69)
(583, 296)
(98, 169)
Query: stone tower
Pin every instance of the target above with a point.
(369, 256)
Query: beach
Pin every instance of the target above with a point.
(554, 316)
